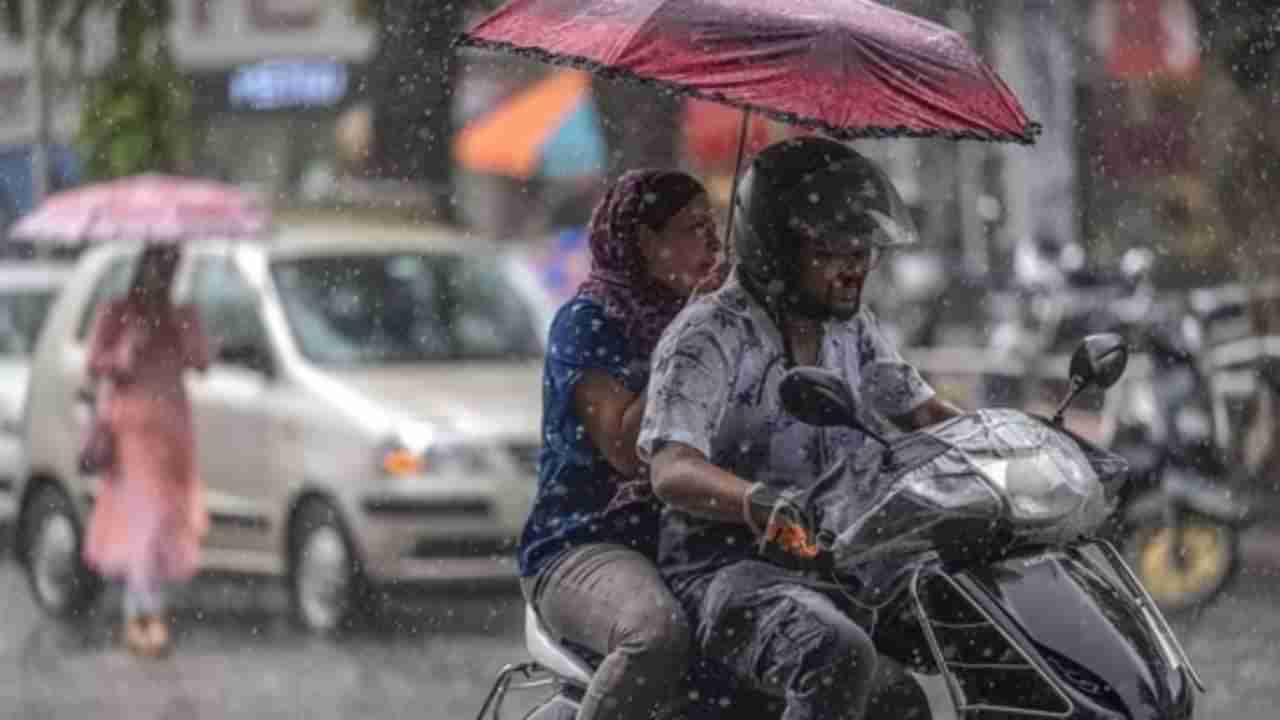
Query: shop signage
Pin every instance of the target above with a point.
(283, 84)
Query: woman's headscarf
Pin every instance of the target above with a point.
(619, 280)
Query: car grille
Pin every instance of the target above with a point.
(441, 547)
(526, 458)
(421, 509)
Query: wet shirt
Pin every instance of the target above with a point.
(581, 498)
(715, 388)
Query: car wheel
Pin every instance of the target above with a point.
(51, 540)
(1185, 573)
(326, 587)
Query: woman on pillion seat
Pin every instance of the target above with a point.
(586, 554)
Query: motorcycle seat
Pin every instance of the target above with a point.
(552, 654)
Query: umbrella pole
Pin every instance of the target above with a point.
(737, 176)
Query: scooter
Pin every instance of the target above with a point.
(1012, 599)
(1055, 301)
(1189, 426)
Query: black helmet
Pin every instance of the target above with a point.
(806, 189)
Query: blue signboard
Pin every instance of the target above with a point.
(283, 84)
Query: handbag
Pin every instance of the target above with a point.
(98, 452)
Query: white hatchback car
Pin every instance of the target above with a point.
(371, 418)
(27, 291)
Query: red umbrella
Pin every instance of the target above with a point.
(850, 68)
(150, 208)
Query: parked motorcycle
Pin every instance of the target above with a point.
(1183, 430)
(1179, 526)
(1057, 300)
(988, 521)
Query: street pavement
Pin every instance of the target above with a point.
(433, 658)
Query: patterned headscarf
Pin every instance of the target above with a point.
(618, 279)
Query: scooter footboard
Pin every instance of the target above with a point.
(1053, 633)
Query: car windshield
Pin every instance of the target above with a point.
(21, 316)
(405, 308)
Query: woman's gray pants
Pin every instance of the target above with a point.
(611, 600)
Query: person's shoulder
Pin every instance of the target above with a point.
(724, 309)
(580, 311)
(715, 320)
(581, 325)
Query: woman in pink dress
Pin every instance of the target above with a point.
(149, 517)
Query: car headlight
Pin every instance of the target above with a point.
(421, 448)
(1038, 489)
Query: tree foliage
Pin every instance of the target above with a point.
(136, 108)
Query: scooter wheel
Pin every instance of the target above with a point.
(1184, 571)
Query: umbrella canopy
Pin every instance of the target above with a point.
(550, 130)
(150, 208)
(711, 133)
(851, 68)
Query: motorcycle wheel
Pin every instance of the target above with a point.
(1209, 556)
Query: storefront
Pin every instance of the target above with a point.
(273, 123)
(271, 79)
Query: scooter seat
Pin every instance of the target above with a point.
(551, 654)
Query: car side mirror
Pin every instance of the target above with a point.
(1100, 360)
(245, 354)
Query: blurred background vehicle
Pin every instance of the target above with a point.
(26, 293)
(1057, 297)
(1199, 432)
(1178, 522)
(371, 420)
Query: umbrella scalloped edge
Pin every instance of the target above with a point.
(1026, 137)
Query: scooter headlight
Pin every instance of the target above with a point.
(1038, 488)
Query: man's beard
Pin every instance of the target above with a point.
(806, 304)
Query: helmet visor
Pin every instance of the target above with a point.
(849, 208)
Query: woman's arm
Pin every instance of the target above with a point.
(108, 354)
(611, 415)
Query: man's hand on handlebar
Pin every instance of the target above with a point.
(777, 520)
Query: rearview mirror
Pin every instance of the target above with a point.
(818, 397)
(1100, 360)
(247, 355)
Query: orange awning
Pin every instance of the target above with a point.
(509, 140)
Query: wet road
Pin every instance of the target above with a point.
(238, 657)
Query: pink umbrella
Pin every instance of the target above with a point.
(849, 68)
(150, 208)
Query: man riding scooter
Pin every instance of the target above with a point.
(812, 220)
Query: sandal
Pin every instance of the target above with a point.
(158, 635)
(136, 637)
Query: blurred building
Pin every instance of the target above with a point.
(281, 97)
(19, 118)
(272, 80)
